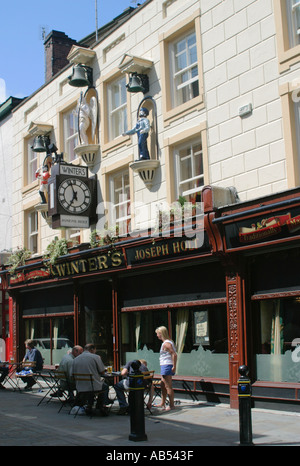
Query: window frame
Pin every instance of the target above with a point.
(29, 233)
(191, 144)
(108, 144)
(67, 139)
(289, 93)
(287, 55)
(190, 136)
(116, 205)
(120, 109)
(167, 40)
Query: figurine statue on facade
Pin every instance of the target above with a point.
(142, 129)
(43, 175)
(87, 113)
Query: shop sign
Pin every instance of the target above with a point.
(160, 250)
(261, 229)
(99, 263)
(28, 276)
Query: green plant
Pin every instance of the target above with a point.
(55, 249)
(104, 237)
(17, 258)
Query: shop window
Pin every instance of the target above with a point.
(70, 134)
(200, 336)
(53, 337)
(278, 322)
(120, 201)
(189, 173)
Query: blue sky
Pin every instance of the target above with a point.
(21, 43)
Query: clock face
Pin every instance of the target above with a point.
(74, 195)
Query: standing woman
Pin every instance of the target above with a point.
(167, 360)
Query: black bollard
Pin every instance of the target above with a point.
(136, 404)
(244, 392)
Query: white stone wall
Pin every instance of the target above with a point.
(240, 68)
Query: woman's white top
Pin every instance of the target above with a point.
(165, 357)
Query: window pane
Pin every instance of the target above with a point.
(278, 329)
(117, 100)
(32, 163)
(139, 340)
(189, 171)
(52, 347)
(70, 134)
(185, 70)
(293, 20)
(120, 198)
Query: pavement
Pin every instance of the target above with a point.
(191, 425)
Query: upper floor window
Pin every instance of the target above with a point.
(120, 201)
(70, 134)
(293, 18)
(189, 172)
(117, 108)
(32, 230)
(181, 69)
(32, 162)
(287, 21)
(184, 65)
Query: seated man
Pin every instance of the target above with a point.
(66, 366)
(123, 385)
(90, 363)
(32, 355)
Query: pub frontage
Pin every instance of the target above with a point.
(228, 297)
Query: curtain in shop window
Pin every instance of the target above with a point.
(277, 329)
(55, 333)
(137, 330)
(181, 329)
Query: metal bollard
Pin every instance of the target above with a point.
(136, 404)
(244, 393)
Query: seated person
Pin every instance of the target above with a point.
(88, 362)
(32, 355)
(123, 385)
(66, 366)
(3, 373)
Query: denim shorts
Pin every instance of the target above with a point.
(166, 370)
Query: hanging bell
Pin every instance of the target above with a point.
(39, 144)
(138, 83)
(82, 76)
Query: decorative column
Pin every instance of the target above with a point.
(236, 327)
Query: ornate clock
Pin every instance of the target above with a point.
(72, 196)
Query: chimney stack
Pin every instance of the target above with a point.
(57, 47)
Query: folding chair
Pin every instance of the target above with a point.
(148, 392)
(88, 395)
(55, 387)
(9, 377)
(27, 371)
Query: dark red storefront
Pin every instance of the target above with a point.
(226, 303)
